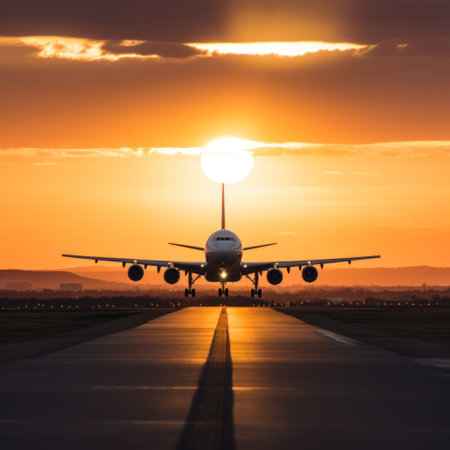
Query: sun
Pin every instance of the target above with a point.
(228, 160)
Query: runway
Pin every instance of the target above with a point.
(244, 378)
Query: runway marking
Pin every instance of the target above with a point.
(209, 424)
(436, 362)
(336, 337)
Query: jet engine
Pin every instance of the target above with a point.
(171, 275)
(135, 272)
(310, 274)
(274, 276)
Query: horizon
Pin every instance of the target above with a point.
(95, 278)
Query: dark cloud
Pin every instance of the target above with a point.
(365, 21)
(432, 47)
(162, 49)
(165, 20)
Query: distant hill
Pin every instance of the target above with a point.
(382, 276)
(330, 275)
(100, 278)
(51, 279)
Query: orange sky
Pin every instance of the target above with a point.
(66, 115)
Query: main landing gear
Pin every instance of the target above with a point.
(190, 291)
(223, 291)
(254, 292)
(255, 281)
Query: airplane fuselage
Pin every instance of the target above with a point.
(223, 253)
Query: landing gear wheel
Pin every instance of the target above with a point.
(193, 292)
(259, 293)
(226, 292)
(186, 292)
(252, 293)
(220, 292)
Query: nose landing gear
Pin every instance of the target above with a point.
(223, 291)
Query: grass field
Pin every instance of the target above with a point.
(19, 326)
(429, 324)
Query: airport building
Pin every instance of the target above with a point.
(19, 285)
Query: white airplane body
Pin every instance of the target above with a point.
(223, 263)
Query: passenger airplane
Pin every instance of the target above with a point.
(223, 263)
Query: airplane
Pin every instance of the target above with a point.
(223, 263)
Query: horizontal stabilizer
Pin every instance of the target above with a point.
(193, 247)
(259, 246)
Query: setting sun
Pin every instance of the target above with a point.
(228, 160)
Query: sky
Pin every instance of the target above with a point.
(106, 107)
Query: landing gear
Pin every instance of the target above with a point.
(191, 282)
(223, 291)
(255, 290)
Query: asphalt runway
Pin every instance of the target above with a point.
(237, 378)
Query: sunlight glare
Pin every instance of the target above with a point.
(228, 160)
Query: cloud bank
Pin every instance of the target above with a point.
(407, 149)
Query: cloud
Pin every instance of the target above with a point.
(227, 20)
(170, 50)
(79, 49)
(282, 49)
(438, 47)
(406, 149)
(82, 49)
(334, 172)
(409, 149)
(54, 153)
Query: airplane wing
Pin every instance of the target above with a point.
(194, 267)
(252, 267)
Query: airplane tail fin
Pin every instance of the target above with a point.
(223, 206)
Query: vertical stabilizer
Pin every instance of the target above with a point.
(223, 206)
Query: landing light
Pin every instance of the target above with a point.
(223, 274)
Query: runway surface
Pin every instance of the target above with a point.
(244, 378)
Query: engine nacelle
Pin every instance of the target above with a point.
(171, 275)
(274, 276)
(135, 272)
(310, 274)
